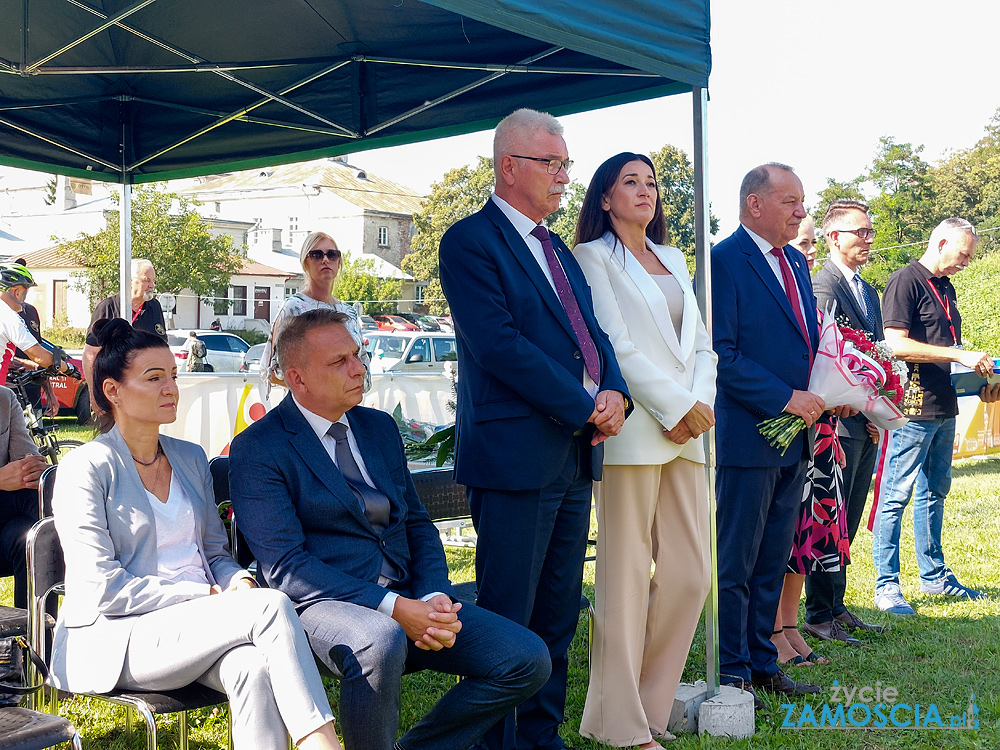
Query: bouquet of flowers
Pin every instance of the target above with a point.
(849, 370)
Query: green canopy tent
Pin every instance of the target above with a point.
(132, 91)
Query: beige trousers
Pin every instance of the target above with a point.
(644, 625)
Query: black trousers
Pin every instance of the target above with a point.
(825, 591)
(18, 513)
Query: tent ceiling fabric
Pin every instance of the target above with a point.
(193, 87)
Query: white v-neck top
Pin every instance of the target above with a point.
(177, 555)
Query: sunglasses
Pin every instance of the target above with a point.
(318, 255)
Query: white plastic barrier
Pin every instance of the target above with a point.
(214, 406)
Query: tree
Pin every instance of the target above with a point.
(461, 193)
(357, 282)
(177, 242)
(675, 177)
(563, 221)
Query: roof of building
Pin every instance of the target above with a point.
(362, 189)
(252, 268)
(47, 257)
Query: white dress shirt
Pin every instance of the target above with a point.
(849, 275)
(766, 247)
(523, 226)
(320, 426)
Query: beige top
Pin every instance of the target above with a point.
(674, 296)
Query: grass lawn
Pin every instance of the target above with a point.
(939, 657)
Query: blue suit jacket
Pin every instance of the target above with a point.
(520, 391)
(305, 526)
(762, 353)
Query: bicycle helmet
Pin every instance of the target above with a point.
(15, 275)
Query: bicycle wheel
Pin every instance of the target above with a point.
(65, 445)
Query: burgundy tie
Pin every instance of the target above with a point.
(570, 305)
(792, 291)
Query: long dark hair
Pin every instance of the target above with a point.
(119, 343)
(594, 221)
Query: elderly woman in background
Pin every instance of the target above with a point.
(652, 507)
(154, 600)
(321, 261)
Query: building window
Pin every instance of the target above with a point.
(239, 300)
(293, 224)
(383, 236)
(218, 207)
(419, 291)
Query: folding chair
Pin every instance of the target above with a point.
(24, 729)
(46, 571)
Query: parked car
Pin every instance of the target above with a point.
(72, 393)
(225, 351)
(411, 352)
(368, 323)
(251, 358)
(423, 322)
(444, 321)
(394, 323)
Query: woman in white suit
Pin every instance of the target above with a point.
(154, 600)
(652, 505)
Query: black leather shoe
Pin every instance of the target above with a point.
(850, 621)
(758, 704)
(830, 631)
(782, 684)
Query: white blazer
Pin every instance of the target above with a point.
(665, 376)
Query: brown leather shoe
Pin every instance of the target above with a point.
(850, 621)
(830, 631)
(782, 684)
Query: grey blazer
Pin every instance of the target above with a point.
(15, 442)
(108, 535)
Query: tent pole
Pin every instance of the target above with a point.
(125, 251)
(703, 283)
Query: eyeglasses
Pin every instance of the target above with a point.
(318, 255)
(863, 233)
(552, 166)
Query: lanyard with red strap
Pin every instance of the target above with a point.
(137, 313)
(946, 306)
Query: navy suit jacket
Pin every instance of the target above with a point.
(520, 386)
(830, 285)
(306, 527)
(763, 356)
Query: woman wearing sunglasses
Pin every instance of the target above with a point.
(321, 261)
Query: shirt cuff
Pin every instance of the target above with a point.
(388, 603)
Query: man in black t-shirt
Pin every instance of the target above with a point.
(146, 314)
(924, 328)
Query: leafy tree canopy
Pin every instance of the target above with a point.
(675, 176)
(357, 282)
(167, 230)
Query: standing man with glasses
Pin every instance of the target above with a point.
(540, 391)
(849, 235)
(924, 328)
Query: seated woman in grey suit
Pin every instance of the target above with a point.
(652, 506)
(154, 600)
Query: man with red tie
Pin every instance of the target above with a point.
(540, 391)
(765, 333)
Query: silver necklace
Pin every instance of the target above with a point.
(156, 458)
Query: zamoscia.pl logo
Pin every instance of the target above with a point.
(875, 706)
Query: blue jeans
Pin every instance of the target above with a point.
(919, 459)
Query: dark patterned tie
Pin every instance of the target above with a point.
(570, 305)
(866, 303)
(374, 504)
(792, 292)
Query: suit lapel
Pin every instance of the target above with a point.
(371, 447)
(519, 249)
(315, 457)
(847, 293)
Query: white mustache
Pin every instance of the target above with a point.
(555, 191)
(147, 296)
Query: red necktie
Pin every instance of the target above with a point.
(792, 291)
(570, 305)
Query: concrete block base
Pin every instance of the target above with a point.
(687, 701)
(728, 714)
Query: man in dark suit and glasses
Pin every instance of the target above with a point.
(849, 235)
(327, 505)
(540, 390)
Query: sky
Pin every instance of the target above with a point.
(809, 83)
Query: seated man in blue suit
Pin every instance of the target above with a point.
(328, 508)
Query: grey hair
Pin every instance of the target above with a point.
(138, 264)
(839, 209)
(949, 228)
(290, 344)
(517, 125)
(758, 180)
